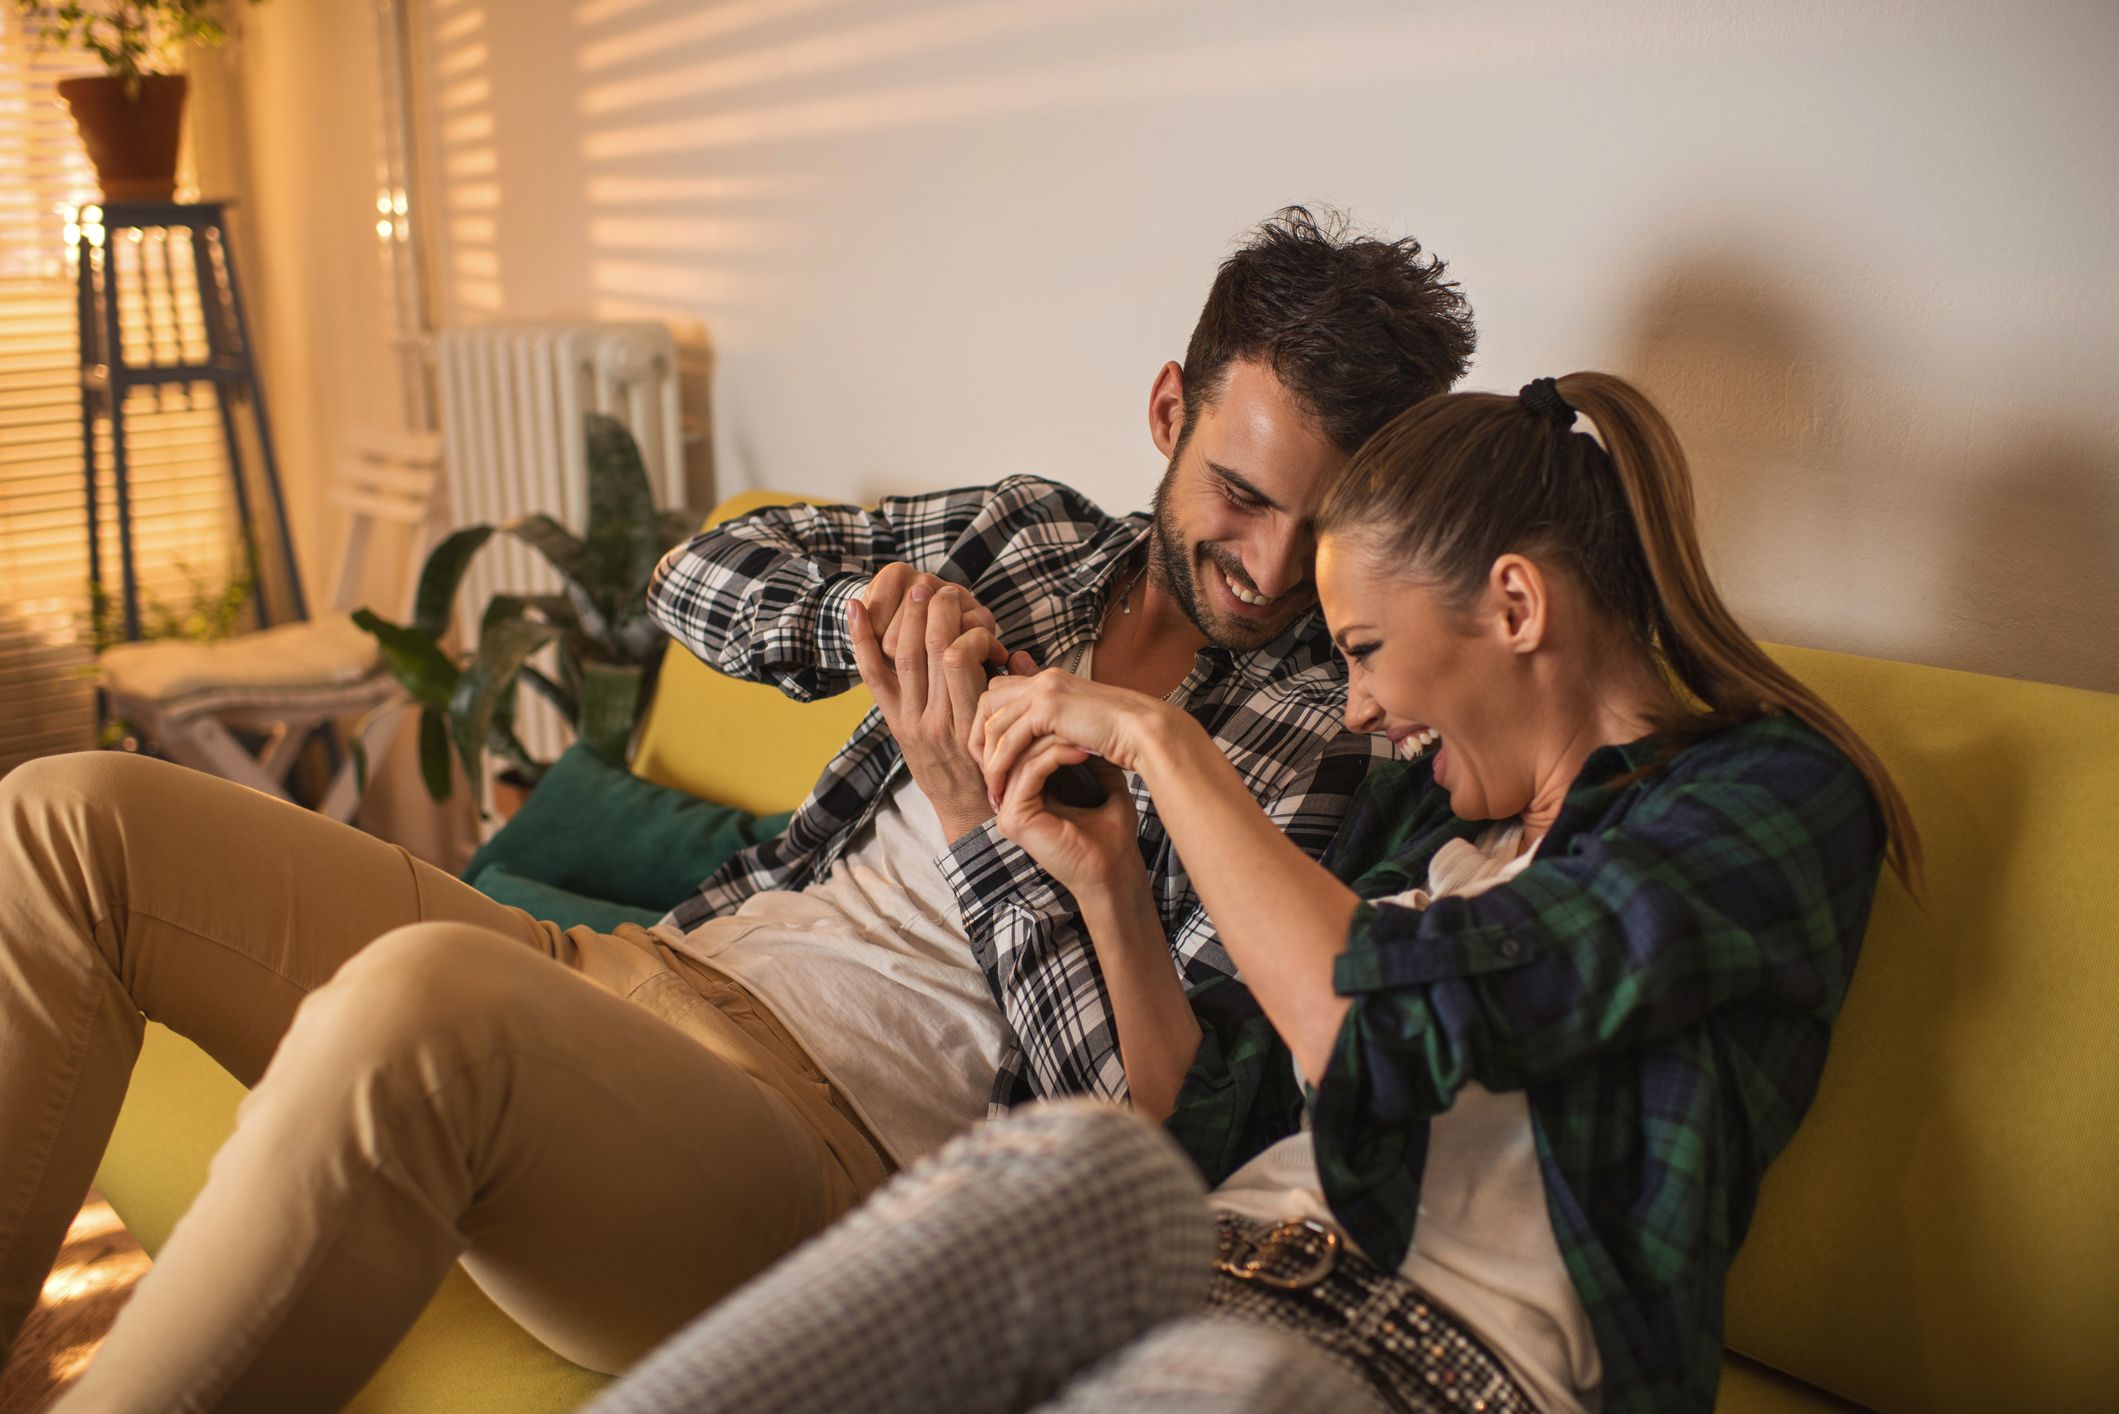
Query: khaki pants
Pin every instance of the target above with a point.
(609, 1136)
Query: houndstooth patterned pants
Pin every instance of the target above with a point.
(1057, 1261)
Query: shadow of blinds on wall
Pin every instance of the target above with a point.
(184, 530)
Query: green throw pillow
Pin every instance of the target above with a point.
(600, 833)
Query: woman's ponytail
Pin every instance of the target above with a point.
(1696, 635)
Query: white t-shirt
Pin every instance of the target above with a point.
(1483, 1245)
(872, 971)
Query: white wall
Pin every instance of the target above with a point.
(1862, 252)
(285, 123)
(286, 120)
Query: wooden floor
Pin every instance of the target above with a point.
(92, 1279)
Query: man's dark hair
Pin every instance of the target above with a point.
(1358, 329)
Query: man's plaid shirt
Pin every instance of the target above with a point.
(764, 598)
(1661, 981)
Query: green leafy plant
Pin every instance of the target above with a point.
(131, 38)
(218, 607)
(609, 649)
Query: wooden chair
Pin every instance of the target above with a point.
(286, 681)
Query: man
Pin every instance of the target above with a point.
(1308, 342)
(613, 1143)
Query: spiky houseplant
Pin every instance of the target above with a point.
(609, 649)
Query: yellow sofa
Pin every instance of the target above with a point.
(1942, 1235)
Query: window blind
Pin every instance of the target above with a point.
(182, 506)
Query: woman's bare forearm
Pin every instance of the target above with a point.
(1282, 917)
(1157, 1034)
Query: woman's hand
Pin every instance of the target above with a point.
(1110, 722)
(1028, 727)
(1282, 917)
(1095, 853)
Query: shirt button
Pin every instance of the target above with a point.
(1511, 949)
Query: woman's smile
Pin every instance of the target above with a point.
(1413, 739)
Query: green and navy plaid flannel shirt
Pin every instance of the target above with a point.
(1661, 981)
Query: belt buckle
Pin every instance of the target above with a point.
(1322, 1245)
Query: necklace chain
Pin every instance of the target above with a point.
(1125, 597)
(1125, 606)
(1125, 602)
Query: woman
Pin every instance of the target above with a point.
(1558, 1014)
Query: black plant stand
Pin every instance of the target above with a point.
(107, 375)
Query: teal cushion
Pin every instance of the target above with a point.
(598, 833)
(557, 905)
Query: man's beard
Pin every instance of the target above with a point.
(1175, 570)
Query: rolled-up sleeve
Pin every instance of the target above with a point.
(1240, 1094)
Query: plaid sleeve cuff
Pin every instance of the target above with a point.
(1207, 1116)
(1239, 1093)
(1388, 947)
(832, 650)
(834, 641)
(985, 869)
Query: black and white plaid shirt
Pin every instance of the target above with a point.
(764, 599)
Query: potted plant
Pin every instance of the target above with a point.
(609, 649)
(219, 608)
(131, 115)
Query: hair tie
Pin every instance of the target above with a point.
(1542, 396)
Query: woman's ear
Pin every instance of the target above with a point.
(1518, 590)
(1166, 408)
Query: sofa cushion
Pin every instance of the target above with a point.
(1941, 1234)
(593, 833)
(463, 1355)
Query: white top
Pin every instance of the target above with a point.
(872, 971)
(1483, 1244)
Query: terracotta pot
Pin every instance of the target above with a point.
(132, 141)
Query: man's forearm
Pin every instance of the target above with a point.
(753, 606)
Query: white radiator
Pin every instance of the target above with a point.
(512, 402)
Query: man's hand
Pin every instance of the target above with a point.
(928, 683)
(890, 590)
